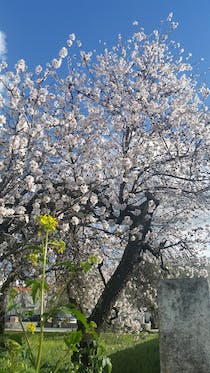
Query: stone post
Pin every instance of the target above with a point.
(184, 323)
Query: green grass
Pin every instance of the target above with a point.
(53, 346)
(142, 358)
(132, 353)
(129, 353)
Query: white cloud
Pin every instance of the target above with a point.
(3, 45)
(3, 50)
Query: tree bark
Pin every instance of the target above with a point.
(131, 256)
(2, 317)
(3, 294)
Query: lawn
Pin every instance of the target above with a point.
(129, 353)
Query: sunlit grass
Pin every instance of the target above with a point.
(142, 357)
(129, 353)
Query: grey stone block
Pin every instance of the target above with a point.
(184, 323)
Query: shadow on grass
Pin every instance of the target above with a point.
(142, 358)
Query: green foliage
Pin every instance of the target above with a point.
(83, 351)
(36, 287)
(11, 304)
(16, 357)
(86, 265)
(58, 245)
(71, 309)
(66, 263)
(73, 339)
(91, 357)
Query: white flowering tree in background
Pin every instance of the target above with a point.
(117, 149)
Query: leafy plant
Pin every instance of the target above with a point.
(84, 352)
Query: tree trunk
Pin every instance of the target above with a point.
(130, 258)
(2, 317)
(3, 294)
(116, 283)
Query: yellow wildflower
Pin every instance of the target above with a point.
(31, 327)
(47, 223)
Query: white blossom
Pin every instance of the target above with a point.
(46, 199)
(38, 69)
(72, 37)
(65, 227)
(63, 52)
(21, 66)
(94, 199)
(76, 207)
(69, 42)
(56, 63)
(30, 185)
(170, 16)
(2, 120)
(135, 23)
(75, 220)
(84, 188)
(20, 210)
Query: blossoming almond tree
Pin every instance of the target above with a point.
(153, 148)
(40, 143)
(116, 149)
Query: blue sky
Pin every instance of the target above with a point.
(36, 30)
